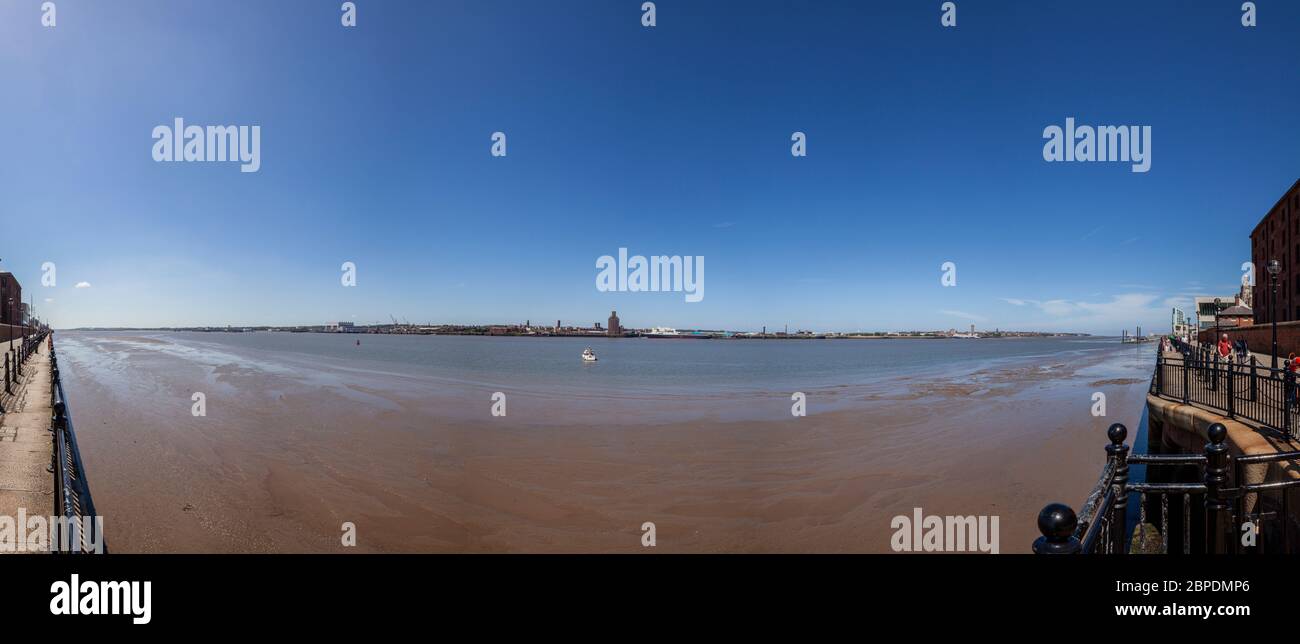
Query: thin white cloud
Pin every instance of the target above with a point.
(1119, 312)
(83, 284)
(964, 315)
(1059, 307)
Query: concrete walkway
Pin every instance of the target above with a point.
(25, 442)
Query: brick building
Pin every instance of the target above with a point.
(615, 328)
(1277, 236)
(10, 312)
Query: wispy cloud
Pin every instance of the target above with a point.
(1116, 312)
(964, 315)
(83, 284)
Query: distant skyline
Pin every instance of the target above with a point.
(924, 146)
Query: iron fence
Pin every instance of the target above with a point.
(80, 529)
(1221, 504)
(1238, 387)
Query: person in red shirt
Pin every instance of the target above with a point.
(1225, 347)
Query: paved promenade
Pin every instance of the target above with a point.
(25, 442)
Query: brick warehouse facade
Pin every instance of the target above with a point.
(9, 288)
(1260, 337)
(1277, 236)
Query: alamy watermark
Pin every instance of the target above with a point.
(180, 142)
(41, 533)
(1124, 143)
(933, 533)
(659, 273)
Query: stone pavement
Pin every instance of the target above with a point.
(26, 445)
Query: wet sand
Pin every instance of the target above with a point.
(280, 463)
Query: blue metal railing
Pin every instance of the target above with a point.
(79, 529)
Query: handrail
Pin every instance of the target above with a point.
(73, 502)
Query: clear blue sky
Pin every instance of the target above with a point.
(924, 146)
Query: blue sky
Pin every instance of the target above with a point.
(924, 147)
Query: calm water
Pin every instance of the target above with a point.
(626, 365)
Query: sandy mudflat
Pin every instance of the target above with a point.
(281, 461)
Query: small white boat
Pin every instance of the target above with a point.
(588, 355)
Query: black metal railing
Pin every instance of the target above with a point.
(80, 526)
(1223, 504)
(1238, 386)
(17, 351)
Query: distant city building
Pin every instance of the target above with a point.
(1277, 236)
(25, 313)
(340, 327)
(615, 329)
(1179, 323)
(11, 297)
(1207, 310)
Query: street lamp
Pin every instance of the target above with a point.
(1217, 307)
(1274, 267)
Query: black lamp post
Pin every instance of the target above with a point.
(1274, 267)
(1217, 307)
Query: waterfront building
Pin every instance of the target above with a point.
(11, 297)
(615, 329)
(1179, 323)
(1277, 236)
(1207, 311)
(1236, 315)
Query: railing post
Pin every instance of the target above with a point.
(1232, 391)
(1057, 523)
(1118, 452)
(1216, 503)
(1187, 378)
(1254, 365)
(7, 374)
(1160, 364)
(1288, 377)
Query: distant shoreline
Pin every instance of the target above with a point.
(598, 333)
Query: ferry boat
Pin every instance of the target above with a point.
(588, 355)
(669, 332)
